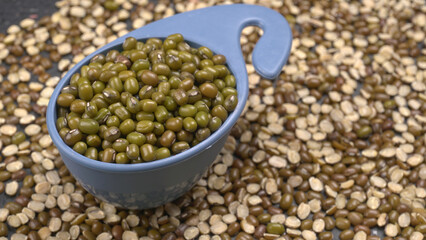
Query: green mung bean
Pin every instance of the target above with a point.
(150, 101)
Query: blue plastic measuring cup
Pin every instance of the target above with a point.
(150, 184)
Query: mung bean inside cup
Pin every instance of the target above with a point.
(149, 101)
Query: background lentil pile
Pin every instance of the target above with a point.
(334, 148)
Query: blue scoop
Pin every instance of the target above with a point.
(150, 184)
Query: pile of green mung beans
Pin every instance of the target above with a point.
(150, 101)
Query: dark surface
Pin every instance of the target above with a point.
(13, 11)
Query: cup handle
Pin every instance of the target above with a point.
(219, 28)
